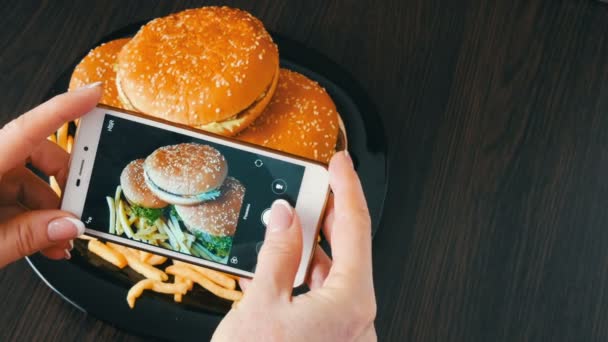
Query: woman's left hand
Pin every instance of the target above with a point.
(29, 219)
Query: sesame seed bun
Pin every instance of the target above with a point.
(135, 189)
(98, 65)
(241, 121)
(301, 119)
(342, 143)
(199, 66)
(186, 173)
(218, 217)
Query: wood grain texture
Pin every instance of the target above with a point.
(496, 112)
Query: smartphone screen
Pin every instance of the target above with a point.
(260, 181)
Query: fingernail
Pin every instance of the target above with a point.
(348, 157)
(91, 85)
(71, 242)
(64, 228)
(281, 215)
(68, 255)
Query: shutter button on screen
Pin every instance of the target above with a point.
(279, 186)
(266, 216)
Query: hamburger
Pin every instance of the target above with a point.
(213, 223)
(143, 201)
(301, 119)
(98, 65)
(212, 68)
(185, 174)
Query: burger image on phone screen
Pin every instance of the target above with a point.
(144, 203)
(214, 222)
(213, 68)
(185, 174)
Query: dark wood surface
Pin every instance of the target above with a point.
(496, 112)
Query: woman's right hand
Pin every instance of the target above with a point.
(341, 304)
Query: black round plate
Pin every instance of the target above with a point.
(98, 288)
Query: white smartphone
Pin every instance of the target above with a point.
(185, 194)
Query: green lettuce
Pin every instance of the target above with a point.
(173, 212)
(217, 245)
(150, 214)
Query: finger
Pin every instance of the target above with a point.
(319, 269)
(279, 257)
(328, 222)
(51, 160)
(244, 283)
(23, 186)
(59, 251)
(351, 229)
(56, 253)
(32, 231)
(37, 194)
(24, 134)
(10, 211)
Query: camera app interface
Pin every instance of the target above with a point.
(185, 194)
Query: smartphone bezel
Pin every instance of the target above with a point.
(312, 198)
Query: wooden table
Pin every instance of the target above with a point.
(496, 223)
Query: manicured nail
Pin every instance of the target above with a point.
(91, 85)
(71, 242)
(281, 215)
(65, 228)
(348, 157)
(68, 255)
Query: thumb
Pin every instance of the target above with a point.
(279, 257)
(32, 231)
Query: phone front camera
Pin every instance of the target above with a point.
(78, 182)
(86, 148)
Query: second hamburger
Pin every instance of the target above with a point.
(214, 223)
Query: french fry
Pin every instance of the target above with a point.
(132, 250)
(158, 236)
(178, 296)
(164, 229)
(62, 136)
(107, 253)
(156, 286)
(55, 186)
(138, 266)
(122, 217)
(119, 229)
(203, 281)
(110, 201)
(144, 256)
(178, 235)
(215, 276)
(143, 228)
(70, 144)
(140, 225)
(131, 219)
(156, 260)
(53, 138)
(235, 304)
